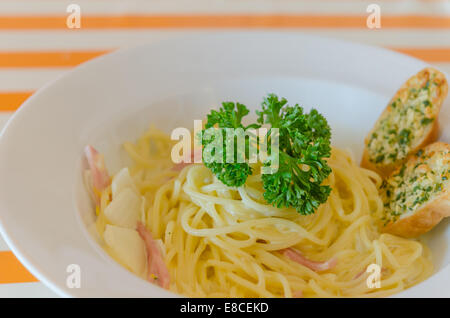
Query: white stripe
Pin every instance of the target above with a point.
(32, 7)
(416, 38)
(3, 246)
(27, 79)
(108, 39)
(25, 290)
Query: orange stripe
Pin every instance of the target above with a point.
(10, 101)
(432, 55)
(12, 271)
(223, 21)
(46, 59)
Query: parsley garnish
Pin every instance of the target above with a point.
(304, 143)
(229, 116)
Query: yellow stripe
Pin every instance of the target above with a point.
(222, 21)
(12, 271)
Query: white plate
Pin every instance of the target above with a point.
(44, 208)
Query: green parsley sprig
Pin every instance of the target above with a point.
(304, 144)
(230, 115)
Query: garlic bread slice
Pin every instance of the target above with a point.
(416, 195)
(409, 122)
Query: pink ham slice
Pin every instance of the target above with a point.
(100, 176)
(297, 257)
(180, 166)
(188, 160)
(157, 269)
(297, 294)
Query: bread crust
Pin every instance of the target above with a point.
(423, 220)
(431, 135)
(382, 170)
(429, 215)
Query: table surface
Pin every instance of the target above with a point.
(36, 46)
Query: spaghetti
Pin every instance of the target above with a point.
(219, 241)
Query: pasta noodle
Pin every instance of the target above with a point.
(227, 242)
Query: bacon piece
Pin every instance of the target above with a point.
(359, 274)
(180, 166)
(157, 269)
(100, 176)
(297, 257)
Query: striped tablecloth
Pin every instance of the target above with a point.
(36, 46)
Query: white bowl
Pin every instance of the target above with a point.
(45, 211)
